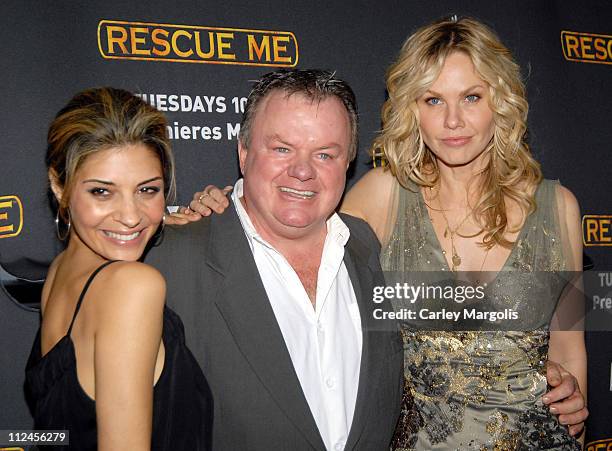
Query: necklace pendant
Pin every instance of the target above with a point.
(445, 232)
(456, 260)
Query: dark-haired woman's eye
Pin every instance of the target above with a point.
(99, 192)
(150, 189)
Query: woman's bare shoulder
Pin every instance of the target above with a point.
(128, 288)
(569, 199)
(379, 177)
(369, 193)
(372, 199)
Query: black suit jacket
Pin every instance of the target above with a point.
(214, 285)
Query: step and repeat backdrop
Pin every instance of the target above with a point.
(195, 61)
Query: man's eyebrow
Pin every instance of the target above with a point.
(277, 137)
(330, 146)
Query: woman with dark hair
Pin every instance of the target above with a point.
(109, 363)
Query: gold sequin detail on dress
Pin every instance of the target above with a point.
(480, 390)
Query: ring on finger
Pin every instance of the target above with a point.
(202, 196)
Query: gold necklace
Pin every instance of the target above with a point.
(455, 257)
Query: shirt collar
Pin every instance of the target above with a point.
(336, 228)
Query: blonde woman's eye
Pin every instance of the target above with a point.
(433, 101)
(472, 98)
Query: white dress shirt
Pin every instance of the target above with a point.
(324, 341)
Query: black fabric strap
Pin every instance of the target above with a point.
(85, 288)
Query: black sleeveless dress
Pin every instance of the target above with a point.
(182, 401)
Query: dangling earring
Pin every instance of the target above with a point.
(57, 227)
(159, 235)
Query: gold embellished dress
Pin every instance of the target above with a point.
(480, 389)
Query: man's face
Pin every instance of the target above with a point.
(295, 167)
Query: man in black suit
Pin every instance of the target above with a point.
(276, 294)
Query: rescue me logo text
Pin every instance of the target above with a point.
(597, 230)
(11, 216)
(196, 44)
(586, 47)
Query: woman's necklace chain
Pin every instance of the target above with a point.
(455, 257)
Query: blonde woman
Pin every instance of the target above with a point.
(462, 193)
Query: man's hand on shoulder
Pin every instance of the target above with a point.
(204, 203)
(565, 398)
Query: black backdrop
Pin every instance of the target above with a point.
(51, 51)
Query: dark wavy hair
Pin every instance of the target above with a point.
(98, 119)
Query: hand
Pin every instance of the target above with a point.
(210, 199)
(183, 216)
(565, 398)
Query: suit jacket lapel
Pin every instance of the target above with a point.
(355, 259)
(243, 303)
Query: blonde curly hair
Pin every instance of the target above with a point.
(512, 172)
